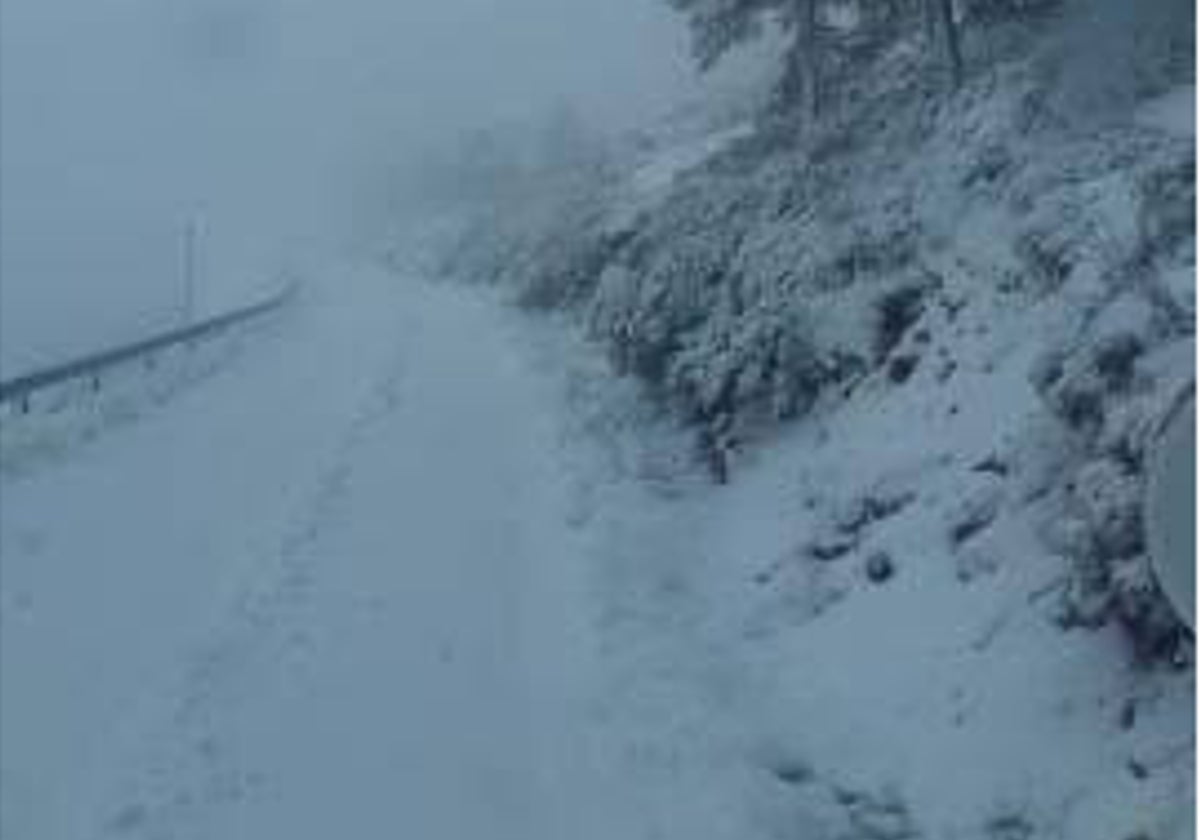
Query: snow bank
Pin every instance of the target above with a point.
(53, 421)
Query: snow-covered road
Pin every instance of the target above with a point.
(411, 566)
(328, 593)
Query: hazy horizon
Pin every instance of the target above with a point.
(124, 120)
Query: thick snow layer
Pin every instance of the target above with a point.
(758, 691)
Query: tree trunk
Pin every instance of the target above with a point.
(950, 33)
(812, 56)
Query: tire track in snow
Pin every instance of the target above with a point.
(189, 768)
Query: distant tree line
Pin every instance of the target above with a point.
(813, 28)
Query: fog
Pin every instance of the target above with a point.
(124, 120)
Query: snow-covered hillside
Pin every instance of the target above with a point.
(922, 345)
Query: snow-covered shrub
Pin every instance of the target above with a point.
(758, 360)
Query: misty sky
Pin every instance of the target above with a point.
(121, 119)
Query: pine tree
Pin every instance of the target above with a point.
(717, 26)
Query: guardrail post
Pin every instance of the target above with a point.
(189, 273)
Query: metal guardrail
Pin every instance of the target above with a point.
(21, 388)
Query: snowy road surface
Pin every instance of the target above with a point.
(328, 593)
